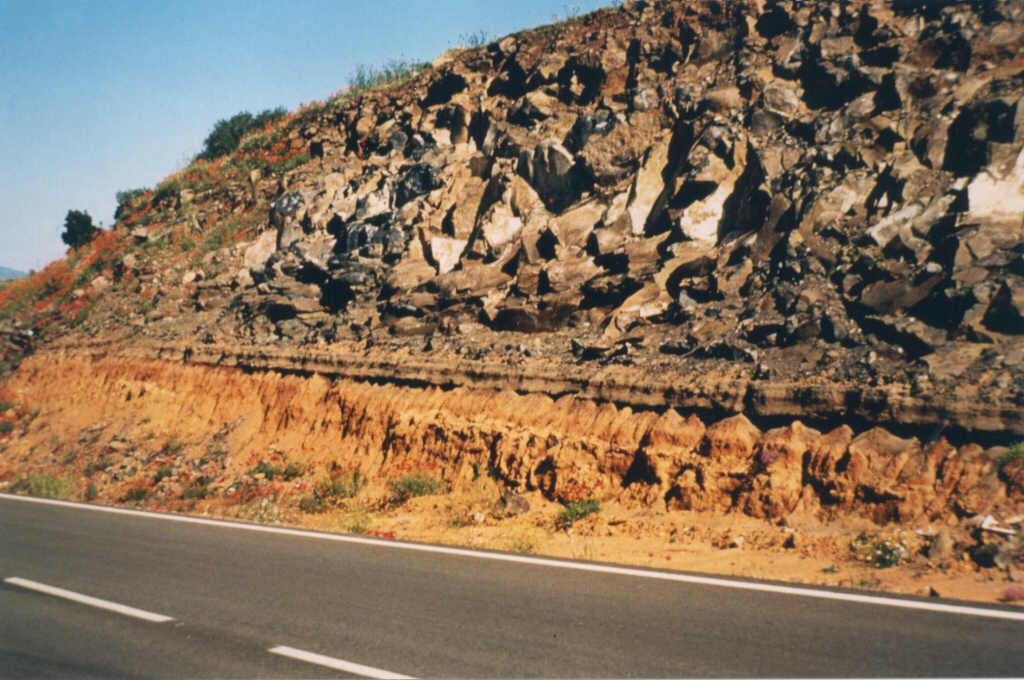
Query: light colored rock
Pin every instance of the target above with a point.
(259, 251)
(782, 98)
(648, 186)
(572, 227)
(702, 219)
(445, 252)
(467, 196)
(998, 199)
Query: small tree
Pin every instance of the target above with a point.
(78, 228)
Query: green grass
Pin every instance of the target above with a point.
(392, 73)
(410, 486)
(576, 510)
(44, 485)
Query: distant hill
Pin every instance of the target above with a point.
(7, 273)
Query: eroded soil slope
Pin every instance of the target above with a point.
(278, 447)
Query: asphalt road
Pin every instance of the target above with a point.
(235, 594)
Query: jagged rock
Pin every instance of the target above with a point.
(445, 252)
(286, 216)
(258, 253)
(647, 187)
(419, 179)
(554, 174)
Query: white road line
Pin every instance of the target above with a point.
(738, 584)
(338, 664)
(86, 599)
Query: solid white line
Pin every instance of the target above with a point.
(338, 664)
(738, 584)
(86, 599)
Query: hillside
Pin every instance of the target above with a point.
(6, 273)
(760, 258)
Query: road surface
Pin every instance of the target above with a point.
(92, 592)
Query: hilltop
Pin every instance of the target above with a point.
(764, 258)
(7, 273)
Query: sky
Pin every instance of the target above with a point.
(98, 96)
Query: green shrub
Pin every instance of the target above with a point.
(135, 494)
(227, 133)
(169, 189)
(162, 473)
(271, 470)
(577, 510)
(1015, 451)
(327, 494)
(43, 485)
(98, 465)
(5, 406)
(198, 489)
(173, 445)
(410, 486)
(347, 487)
(881, 553)
(91, 492)
(124, 198)
(6, 426)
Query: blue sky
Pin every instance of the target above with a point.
(98, 96)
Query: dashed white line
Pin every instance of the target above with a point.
(87, 600)
(738, 584)
(337, 664)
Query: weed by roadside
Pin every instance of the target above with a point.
(357, 523)
(879, 552)
(328, 493)
(522, 543)
(43, 485)
(136, 493)
(409, 486)
(574, 511)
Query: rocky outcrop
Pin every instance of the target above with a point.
(779, 208)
